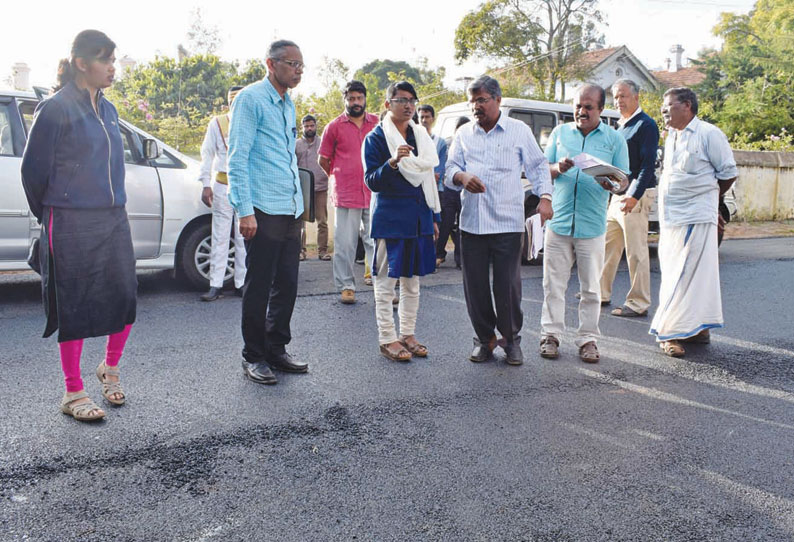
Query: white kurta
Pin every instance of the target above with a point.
(696, 158)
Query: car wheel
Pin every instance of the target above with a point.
(194, 259)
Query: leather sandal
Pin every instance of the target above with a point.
(549, 347)
(86, 411)
(417, 349)
(628, 311)
(588, 352)
(401, 355)
(672, 348)
(110, 389)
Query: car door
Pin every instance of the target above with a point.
(144, 197)
(14, 212)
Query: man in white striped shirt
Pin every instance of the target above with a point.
(485, 161)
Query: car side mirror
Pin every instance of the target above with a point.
(151, 149)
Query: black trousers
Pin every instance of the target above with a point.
(450, 217)
(271, 285)
(503, 252)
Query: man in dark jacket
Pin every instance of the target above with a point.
(627, 218)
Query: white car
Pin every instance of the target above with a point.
(170, 225)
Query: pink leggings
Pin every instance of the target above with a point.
(71, 350)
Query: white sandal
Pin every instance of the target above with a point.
(109, 389)
(84, 412)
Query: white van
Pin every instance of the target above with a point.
(171, 227)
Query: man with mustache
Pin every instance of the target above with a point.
(306, 148)
(577, 231)
(698, 169)
(265, 191)
(340, 156)
(485, 162)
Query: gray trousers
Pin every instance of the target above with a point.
(349, 223)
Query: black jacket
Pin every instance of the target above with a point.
(74, 158)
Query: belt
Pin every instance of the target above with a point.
(221, 177)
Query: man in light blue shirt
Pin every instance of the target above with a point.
(485, 161)
(264, 189)
(577, 231)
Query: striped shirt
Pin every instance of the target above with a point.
(263, 168)
(497, 158)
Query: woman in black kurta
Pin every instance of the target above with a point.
(73, 174)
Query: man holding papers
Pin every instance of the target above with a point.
(577, 230)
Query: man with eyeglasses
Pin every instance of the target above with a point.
(265, 191)
(699, 168)
(340, 156)
(578, 229)
(485, 163)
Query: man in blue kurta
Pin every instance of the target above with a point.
(265, 191)
(577, 230)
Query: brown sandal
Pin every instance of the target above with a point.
(401, 355)
(588, 352)
(549, 347)
(416, 348)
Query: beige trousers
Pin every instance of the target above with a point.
(629, 232)
(559, 254)
(384, 294)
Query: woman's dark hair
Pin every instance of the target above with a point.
(89, 45)
(391, 92)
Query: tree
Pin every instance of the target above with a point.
(381, 69)
(203, 38)
(544, 37)
(750, 81)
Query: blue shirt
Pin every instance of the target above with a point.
(497, 158)
(441, 149)
(579, 202)
(263, 167)
(642, 137)
(400, 210)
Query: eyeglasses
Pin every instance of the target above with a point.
(404, 101)
(480, 101)
(295, 64)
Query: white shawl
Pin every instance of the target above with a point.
(417, 170)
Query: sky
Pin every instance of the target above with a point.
(354, 32)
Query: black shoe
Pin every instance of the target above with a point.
(212, 295)
(514, 354)
(283, 362)
(259, 372)
(482, 351)
(238, 292)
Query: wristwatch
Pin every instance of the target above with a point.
(546, 197)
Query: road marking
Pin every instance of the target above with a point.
(671, 398)
(697, 372)
(648, 434)
(779, 509)
(595, 435)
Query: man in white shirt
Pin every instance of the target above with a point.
(215, 195)
(698, 169)
(485, 162)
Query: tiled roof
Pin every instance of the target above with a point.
(591, 59)
(684, 77)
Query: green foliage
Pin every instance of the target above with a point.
(381, 69)
(783, 142)
(750, 81)
(544, 37)
(175, 99)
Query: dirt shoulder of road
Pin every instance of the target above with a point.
(758, 230)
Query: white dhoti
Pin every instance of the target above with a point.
(689, 297)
